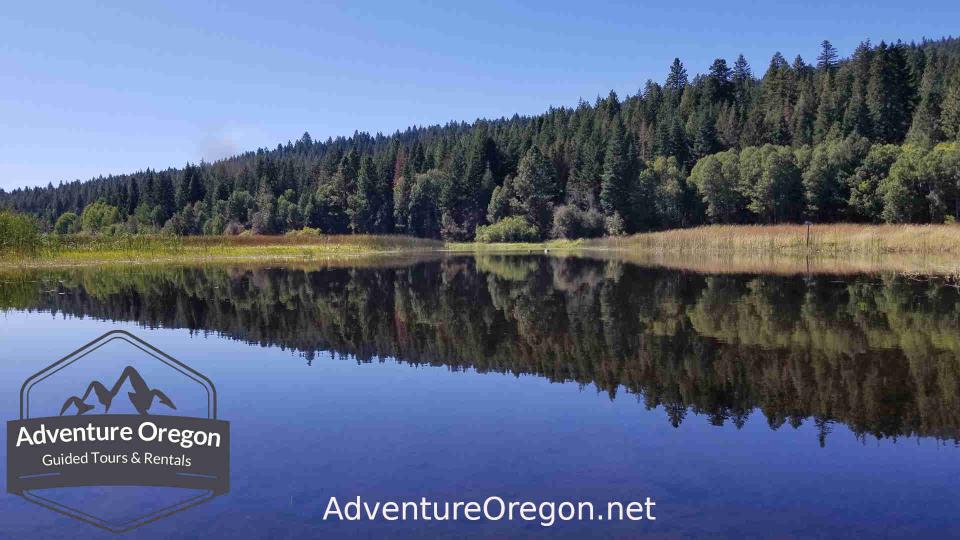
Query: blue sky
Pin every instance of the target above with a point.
(89, 89)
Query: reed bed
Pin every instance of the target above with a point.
(944, 266)
(833, 239)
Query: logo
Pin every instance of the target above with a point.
(119, 456)
(141, 397)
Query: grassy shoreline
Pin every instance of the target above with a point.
(906, 248)
(143, 249)
(833, 239)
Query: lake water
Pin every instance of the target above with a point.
(744, 405)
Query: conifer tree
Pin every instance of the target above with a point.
(165, 199)
(534, 190)
(827, 59)
(718, 86)
(615, 182)
(889, 94)
(365, 203)
(676, 79)
(926, 128)
(949, 123)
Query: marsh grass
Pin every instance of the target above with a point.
(53, 250)
(779, 248)
(834, 239)
(945, 266)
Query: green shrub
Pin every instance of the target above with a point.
(18, 233)
(571, 222)
(511, 229)
(214, 225)
(98, 216)
(305, 231)
(68, 222)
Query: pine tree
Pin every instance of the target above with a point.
(165, 199)
(827, 59)
(401, 196)
(742, 79)
(190, 189)
(857, 120)
(925, 129)
(471, 196)
(805, 114)
(949, 122)
(534, 190)
(134, 199)
(306, 140)
(778, 96)
(890, 94)
(383, 219)
(705, 142)
(728, 132)
(826, 116)
(365, 203)
(580, 190)
(676, 79)
(615, 184)
(718, 86)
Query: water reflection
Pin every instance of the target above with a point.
(880, 354)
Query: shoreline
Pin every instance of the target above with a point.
(928, 249)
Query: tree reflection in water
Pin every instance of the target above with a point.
(880, 354)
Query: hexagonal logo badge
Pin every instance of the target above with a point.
(118, 434)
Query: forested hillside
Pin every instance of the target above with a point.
(872, 137)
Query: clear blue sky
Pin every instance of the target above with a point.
(94, 89)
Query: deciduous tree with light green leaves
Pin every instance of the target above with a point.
(717, 180)
(67, 223)
(904, 190)
(98, 216)
(866, 198)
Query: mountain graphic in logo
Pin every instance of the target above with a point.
(141, 398)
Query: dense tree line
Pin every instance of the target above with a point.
(872, 137)
(879, 354)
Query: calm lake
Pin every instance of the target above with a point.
(745, 405)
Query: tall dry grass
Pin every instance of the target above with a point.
(947, 266)
(833, 239)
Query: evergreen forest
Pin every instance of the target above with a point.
(870, 137)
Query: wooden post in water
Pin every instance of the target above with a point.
(807, 223)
